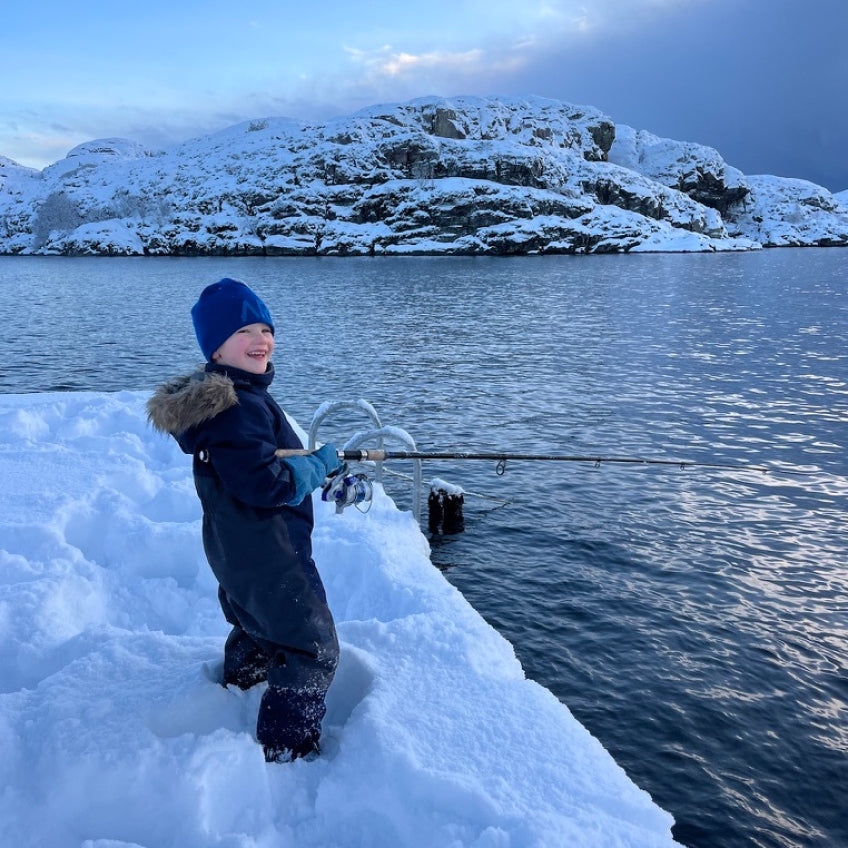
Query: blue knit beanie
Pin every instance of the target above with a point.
(223, 308)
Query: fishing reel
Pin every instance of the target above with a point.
(344, 488)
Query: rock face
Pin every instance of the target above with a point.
(459, 176)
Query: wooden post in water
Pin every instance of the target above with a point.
(445, 508)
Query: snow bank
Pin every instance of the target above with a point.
(114, 731)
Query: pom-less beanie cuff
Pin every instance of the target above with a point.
(223, 308)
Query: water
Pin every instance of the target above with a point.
(694, 620)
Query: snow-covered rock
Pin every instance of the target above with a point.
(92, 154)
(790, 213)
(461, 175)
(842, 198)
(697, 171)
(9, 167)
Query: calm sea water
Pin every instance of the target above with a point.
(696, 621)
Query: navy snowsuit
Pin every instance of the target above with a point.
(259, 548)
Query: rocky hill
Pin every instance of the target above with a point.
(442, 176)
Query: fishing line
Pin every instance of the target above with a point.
(499, 501)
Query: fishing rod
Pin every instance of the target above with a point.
(379, 455)
(345, 488)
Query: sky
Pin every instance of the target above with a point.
(763, 81)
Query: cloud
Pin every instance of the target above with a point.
(766, 84)
(36, 148)
(394, 63)
(534, 47)
(390, 64)
(763, 81)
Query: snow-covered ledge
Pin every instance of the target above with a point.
(115, 732)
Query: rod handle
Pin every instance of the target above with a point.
(351, 455)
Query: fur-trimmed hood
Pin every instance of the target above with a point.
(188, 401)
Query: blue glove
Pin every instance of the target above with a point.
(308, 473)
(327, 455)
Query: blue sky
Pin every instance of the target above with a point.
(763, 81)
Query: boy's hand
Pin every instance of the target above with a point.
(328, 455)
(307, 472)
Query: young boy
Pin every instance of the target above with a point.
(257, 517)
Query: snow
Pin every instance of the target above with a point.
(437, 484)
(116, 734)
(800, 203)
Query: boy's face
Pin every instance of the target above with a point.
(249, 349)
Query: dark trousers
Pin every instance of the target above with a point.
(292, 706)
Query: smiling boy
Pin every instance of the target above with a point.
(257, 517)
(248, 348)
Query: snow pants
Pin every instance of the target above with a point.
(293, 705)
(282, 629)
